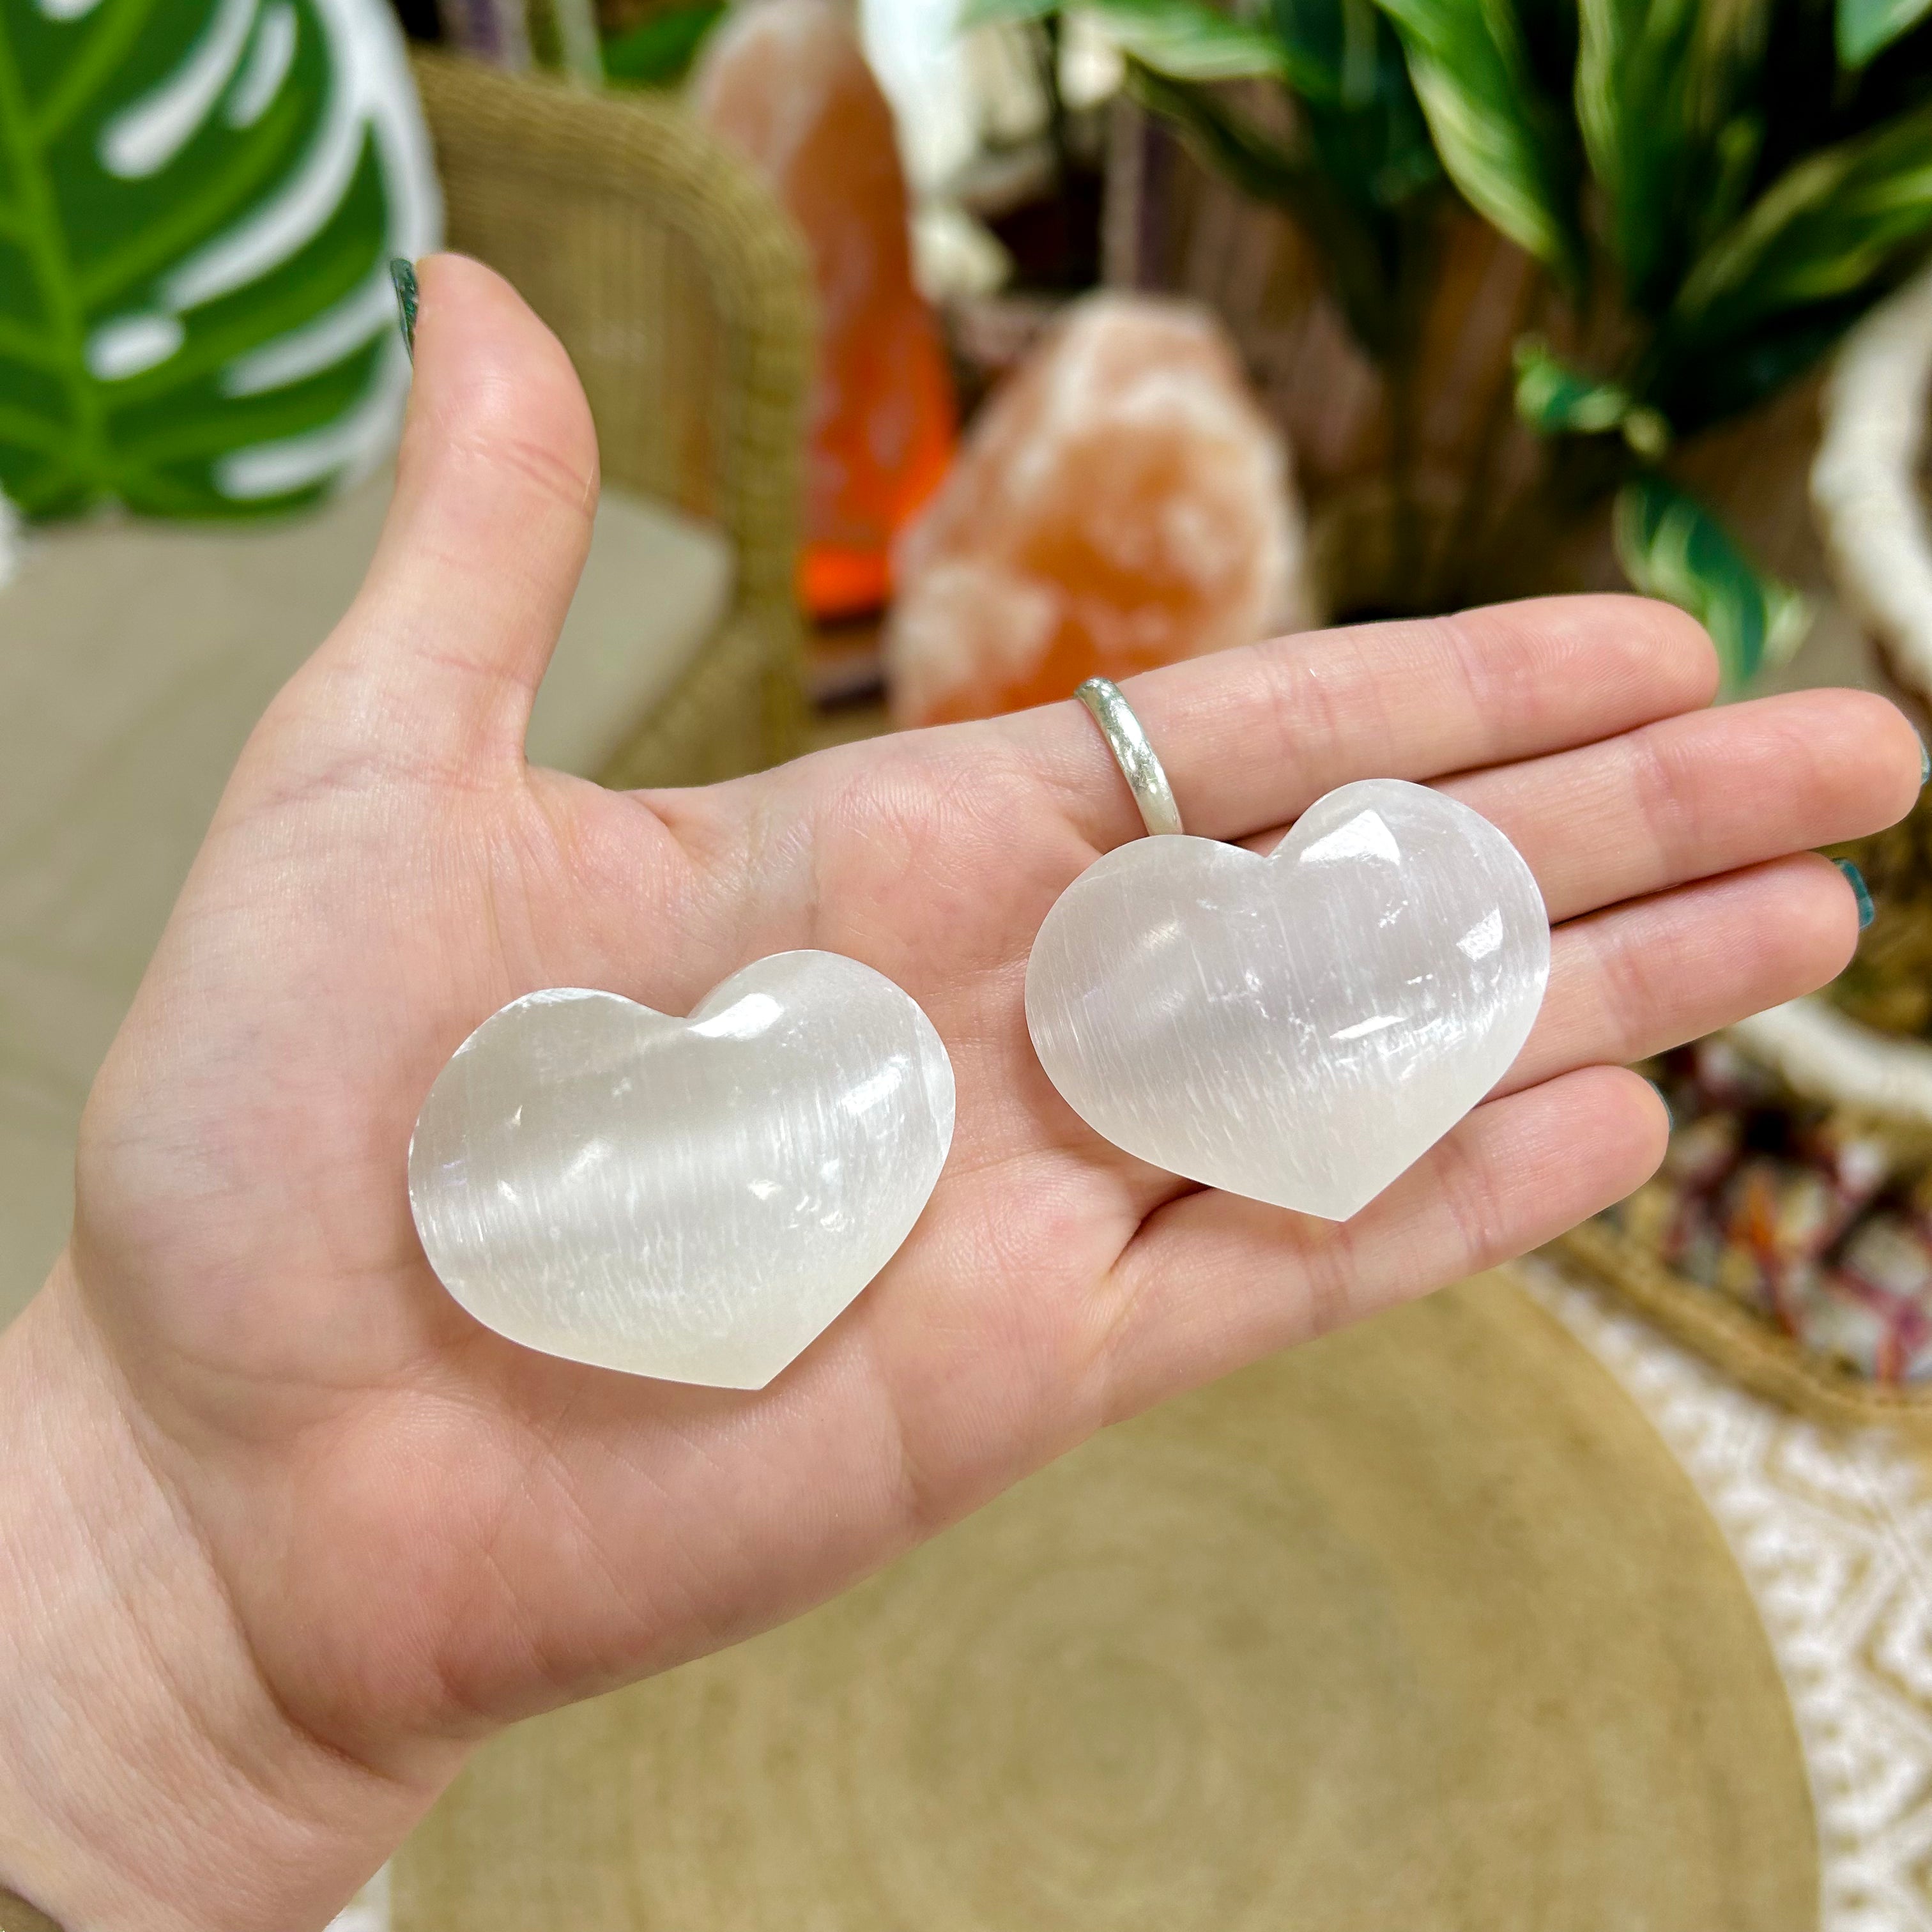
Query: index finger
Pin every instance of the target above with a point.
(1250, 738)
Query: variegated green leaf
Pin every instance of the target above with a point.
(1658, 86)
(991, 13)
(1466, 60)
(1826, 231)
(1364, 121)
(1866, 28)
(1555, 400)
(1186, 39)
(1339, 46)
(198, 200)
(1671, 546)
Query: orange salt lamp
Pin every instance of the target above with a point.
(1120, 502)
(786, 82)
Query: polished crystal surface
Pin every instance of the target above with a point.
(694, 1199)
(1300, 1027)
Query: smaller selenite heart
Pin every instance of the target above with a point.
(1301, 1027)
(693, 1199)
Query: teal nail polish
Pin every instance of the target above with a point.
(1861, 891)
(1925, 765)
(404, 274)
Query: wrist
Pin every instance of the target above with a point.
(151, 1779)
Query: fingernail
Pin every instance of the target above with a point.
(1925, 765)
(404, 274)
(1861, 891)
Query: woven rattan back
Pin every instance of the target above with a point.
(668, 272)
(683, 294)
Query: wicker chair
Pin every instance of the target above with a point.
(681, 294)
(676, 285)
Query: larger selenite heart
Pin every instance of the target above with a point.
(1298, 1028)
(692, 1199)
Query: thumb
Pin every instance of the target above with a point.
(438, 658)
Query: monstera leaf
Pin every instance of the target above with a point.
(198, 201)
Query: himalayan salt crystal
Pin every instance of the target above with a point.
(1120, 502)
(786, 82)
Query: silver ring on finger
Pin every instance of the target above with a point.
(1140, 764)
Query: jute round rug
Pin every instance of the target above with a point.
(1420, 1627)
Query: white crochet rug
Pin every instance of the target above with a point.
(1834, 1539)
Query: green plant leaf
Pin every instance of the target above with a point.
(199, 200)
(1729, 378)
(1364, 123)
(1332, 42)
(1671, 546)
(1499, 142)
(1337, 49)
(1658, 83)
(658, 52)
(1555, 399)
(1830, 229)
(1186, 40)
(991, 13)
(1866, 28)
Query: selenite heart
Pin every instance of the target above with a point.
(1302, 1027)
(693, 1199)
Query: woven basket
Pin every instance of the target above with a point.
(1864, 1049)
(1417, 1629)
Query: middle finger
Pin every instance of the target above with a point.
(1700, 794)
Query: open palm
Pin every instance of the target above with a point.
(420, 1530)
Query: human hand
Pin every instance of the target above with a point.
(286, 1532)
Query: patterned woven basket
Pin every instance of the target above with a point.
(1858, 1059)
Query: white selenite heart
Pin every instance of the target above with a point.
(692, 1199)
(1300, 1027)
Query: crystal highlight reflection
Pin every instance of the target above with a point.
(695, 1200)
(1299, 1028)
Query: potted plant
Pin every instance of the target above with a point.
(1710, 196)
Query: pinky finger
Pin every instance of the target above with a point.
(1212, 1281)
